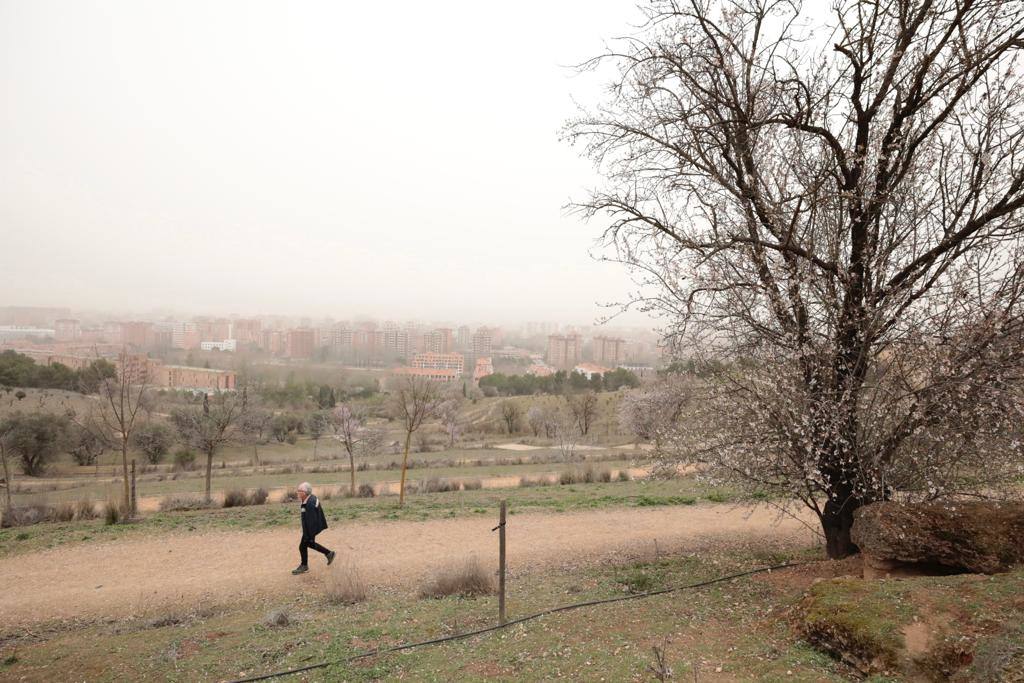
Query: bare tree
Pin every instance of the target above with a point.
(536, 418)
(510, 415)
(209, 428)
(835, 217)
(566, 434)
(450, 412)
(358, 439)
(122, 395)
(255, 426)
(583, 407)
(413, 401)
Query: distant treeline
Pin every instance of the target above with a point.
(559, 383)
(18, 370)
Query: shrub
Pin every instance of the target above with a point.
(290, 496)
(112, 512)
(345, 586)
(277, 617)
(182, 501)
(365, 491)
(567, 477)
(25, 515)
(604, 476)
(438, 485)
(184, 459)
(65, 512)
(239, 498)
(85, 509)
(624, 475)
(472, 485)
(466, 580)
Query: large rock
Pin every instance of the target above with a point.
(981, 538)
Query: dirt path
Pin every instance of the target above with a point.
(175, 572)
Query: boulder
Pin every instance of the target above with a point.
(901, 539)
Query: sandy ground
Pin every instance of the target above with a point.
(174, 573)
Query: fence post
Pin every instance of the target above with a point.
(501, 565)
(133, 504)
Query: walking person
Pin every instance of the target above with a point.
(313, 522)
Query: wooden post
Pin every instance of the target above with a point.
(501, 565)
(133, 504)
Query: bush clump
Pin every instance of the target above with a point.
(467, 580)
(365, 491)
(345, 586)
(182, 501)
(184, 459)
(472, 485)
(240, 498)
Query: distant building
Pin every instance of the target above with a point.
(464, 338)
(588, 370)
(137, 334)
(540, 370)
(273, 342)
(13, 332)
(435, 375)
(482, 342)
(136, 368)
(185, 336)
(67, 329)
(247, 331)
(195, 379)
(564, 350)
(225, 345)
(609, 350)
(439, 361)
(300, 342)
(439, 341)
(484, 367)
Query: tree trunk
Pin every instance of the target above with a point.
(405, 461)
(7, 477)
(256, 454)
(209, 473)
(836, 522)
(126, 503)
(352, 470)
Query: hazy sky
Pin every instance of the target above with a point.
(321, 158)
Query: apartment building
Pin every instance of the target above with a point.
(67, 330)
(439, 361)
(609, 350)
(564, 350)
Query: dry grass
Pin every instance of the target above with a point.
(277, 617)
(112, 512)
(182, 501)
(472, 485)
(467, 580)
(240, 498)
(365, 491)
(345, 585)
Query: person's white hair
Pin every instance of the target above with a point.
(304, 486)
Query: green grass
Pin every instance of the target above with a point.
(731, 626)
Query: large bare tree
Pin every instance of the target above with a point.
(834, 213)
(413, 401)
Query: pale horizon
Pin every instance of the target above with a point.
(301, 159)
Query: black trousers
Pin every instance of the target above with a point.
(310, 543)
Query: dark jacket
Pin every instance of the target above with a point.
(313, 519)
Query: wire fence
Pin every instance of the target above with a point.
(515, 622)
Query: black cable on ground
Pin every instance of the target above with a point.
(537, 615)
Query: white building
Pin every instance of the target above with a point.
(226, 345)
